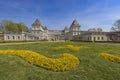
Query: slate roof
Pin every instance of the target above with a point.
(45, 28)
(66, 28)
(75, 24)
(37, 23)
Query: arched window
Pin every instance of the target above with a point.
(18, 37)
(102, 38)
(98, 38)
(8, 37)
(13, 37)
(94, 38)
(88, 38)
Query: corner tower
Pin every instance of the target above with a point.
(37, 25)
(75, 28)
(39, 31)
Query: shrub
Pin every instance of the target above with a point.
(17, 41)
(65, 62)
(110, 57)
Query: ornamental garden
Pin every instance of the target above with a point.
(60, 60)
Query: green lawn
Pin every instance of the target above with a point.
(91, 66)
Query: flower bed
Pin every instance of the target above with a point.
(71, 47)
(65, 62)
(110, 57)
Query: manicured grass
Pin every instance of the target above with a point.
(91, 66)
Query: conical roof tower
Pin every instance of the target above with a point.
(37, 23)
(74, 24)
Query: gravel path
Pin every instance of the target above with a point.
(52, 41)
(19, 43)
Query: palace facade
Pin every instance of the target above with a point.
(74, 32)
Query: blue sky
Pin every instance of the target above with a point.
(56, 14)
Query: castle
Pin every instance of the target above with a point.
(40, 32)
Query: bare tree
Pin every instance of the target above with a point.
(116, 26)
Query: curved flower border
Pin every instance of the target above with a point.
(65, 62)
(70, 47)
(110, 57)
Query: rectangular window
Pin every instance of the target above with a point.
(77, 29)
(73, 29)
(74, 33)
(35, 32)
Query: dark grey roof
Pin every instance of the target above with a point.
(36, 23)
(66, 28)
(45, 28)
(75, 24)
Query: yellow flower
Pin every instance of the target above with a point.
(65, 62)
(71, 47)
(110, 57)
